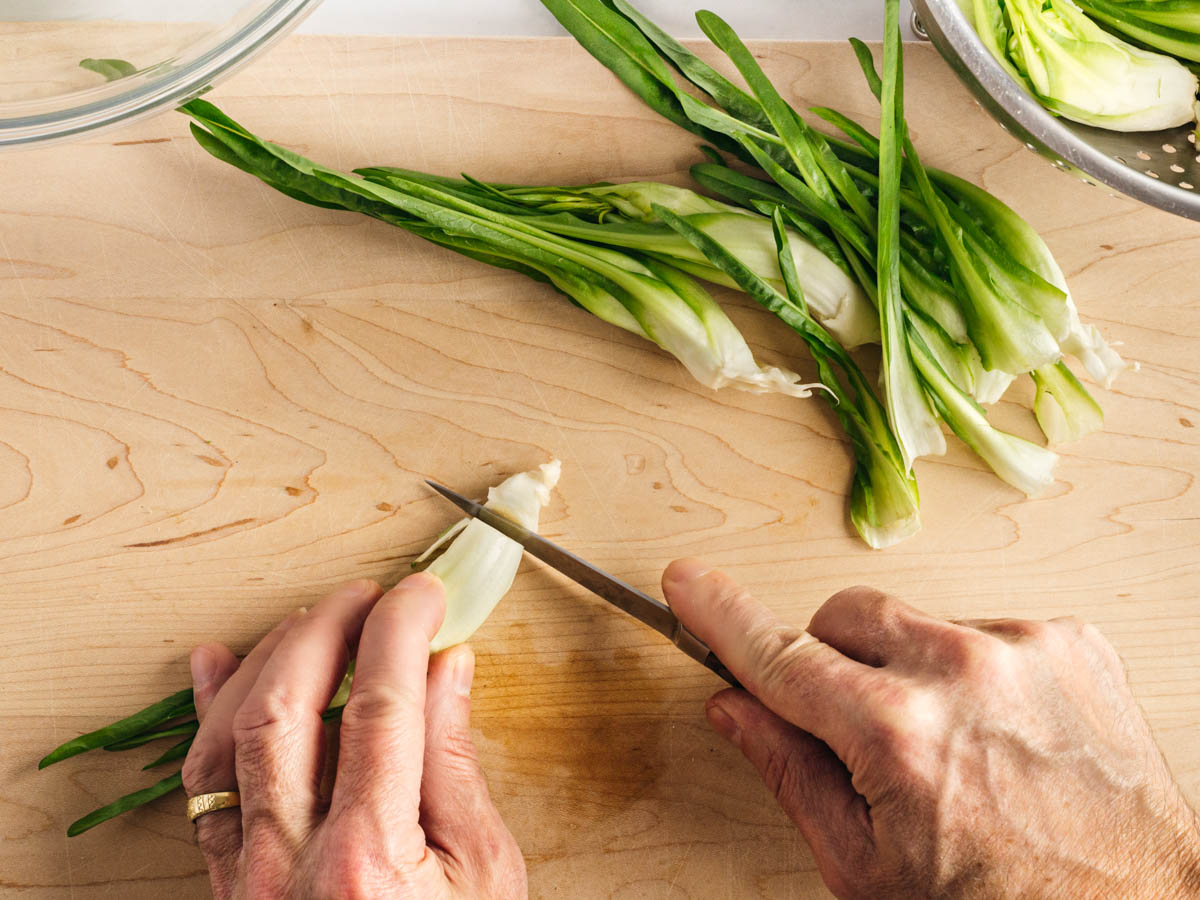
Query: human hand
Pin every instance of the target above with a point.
(409, 815)
(920, 757)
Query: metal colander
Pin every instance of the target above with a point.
(1161, 168)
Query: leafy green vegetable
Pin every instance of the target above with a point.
(172, 753)
(125, 804)
(1172, 26)
(1065, 410)
(1080, 71)
(972, 294)
(884, 505)
(172, 707)
(914, 423)
(184, 728)
(110, 69)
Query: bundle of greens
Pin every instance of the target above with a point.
(477, 570)
(961, 293)
(968, 295)
(1079, 70)
(1172, 26)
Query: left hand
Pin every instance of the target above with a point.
(409, 814)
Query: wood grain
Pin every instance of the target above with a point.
(215, 403)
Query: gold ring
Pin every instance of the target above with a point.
(206, 803)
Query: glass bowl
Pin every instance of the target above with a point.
(157, 55)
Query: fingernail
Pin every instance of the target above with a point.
(464, 671)
(204, 668)
(419, 581)
(724, 724)
(683, 571)
(360, 587)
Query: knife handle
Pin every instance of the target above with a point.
(698, 650)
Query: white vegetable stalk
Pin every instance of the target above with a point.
(1064, 409)
(836, 300)
(478, 568)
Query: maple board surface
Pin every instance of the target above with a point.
(216, 403)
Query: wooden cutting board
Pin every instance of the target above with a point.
(216, 403)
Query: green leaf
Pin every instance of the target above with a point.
(174, 752)
(913, 421)
(126, 803)
(110, 69)
(172, 707)
(183, 728)
(727, 95)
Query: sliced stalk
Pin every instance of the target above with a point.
(1064, 409)
(1024, 465)
(478, 569)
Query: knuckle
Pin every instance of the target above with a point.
(779, 654)
(780, 774)
(459, 750)
(1070, 624)
(265, 719)
(973, 655)
(206, 768)
(504, 873)
(374, 704)
(864, 601)
(901, 717)
(219, 841)
(1029, 630)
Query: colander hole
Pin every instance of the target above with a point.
(1187, 186)
(1143, 155)
(1121, 160)
(1176, 168)
(1191, 137)
(1151, 173)
(1169, 148)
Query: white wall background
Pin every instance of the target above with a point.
(782, 19)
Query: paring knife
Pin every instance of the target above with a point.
(621, 595)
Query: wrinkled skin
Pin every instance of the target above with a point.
(409, 815)
(926, 758)
(917, 757)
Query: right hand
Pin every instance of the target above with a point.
(920, 757)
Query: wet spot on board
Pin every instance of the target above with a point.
(113, 462)
(293, 491)
(384, 507)
(1186, 423)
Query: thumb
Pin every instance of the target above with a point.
(807, 779)
(807, 682)
(457, 814)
